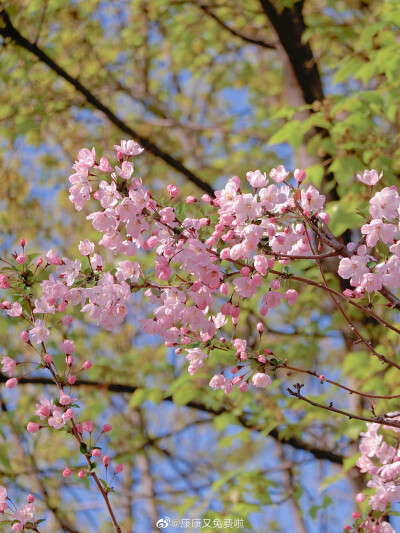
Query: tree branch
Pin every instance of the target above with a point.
(292, 441)
(233, 32)
(10, 32)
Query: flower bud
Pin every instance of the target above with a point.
(39, 261)
(81, 474)
(11, 383)
(87, 364)
(67, 472)
(118, 469)
(106, 460)
(48, 358)
(32, 427)
(106, 428)
(260, 328)
(72, 380)
(22, 242)
(360, 497)
(96, 452)
(30, 498)
(88, 426)
(24, 336)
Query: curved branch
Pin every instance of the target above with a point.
(10, 32)
(233, 32)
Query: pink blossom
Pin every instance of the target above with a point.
(261, 380)
(311, 200)
(126, 171)
(376, 230)
(52, 258)
(68, 346)
(8, 366)
(217, 381)
(86, 247)
(129, 148)
(4, 283)
(104, 165)
(279, 174)
(87, 157)
(385, 204)
(370, 177)
(16, 310)
(257, 179)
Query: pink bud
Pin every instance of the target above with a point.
(324, 217)
(225, 253)
(68, 414)
(261, 358)
(236, 312)
(260, 328)
(322, 377)
(191, 200)
(30, 498)
(224, 289)
(79, 428)
(243, 356)
(67, 346)
(25, 336)
(87, 364)
(32, 427)
(118, 469)
(360, 497)
(22, 242)
(72, 380)
(245, 271)
(243, 386)
(62, 307)
(206, 198)
(275, 284)
(39, 261)
(96, 452)
(347, 528)
(67, 320)
(173, 190)
(106, 428)
(299, 175)
(81, 474)
(106, 461)
(88, 426)
(67, 472)
(178, 351)
(291, 296)
(21, 259)
(356, 515)
(69, 360)
(48, 358)
(11, 383)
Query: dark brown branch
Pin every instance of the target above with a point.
(294, 442)
(10, 32)
(375, 419)
(233, 32)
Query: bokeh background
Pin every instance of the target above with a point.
(211, 88)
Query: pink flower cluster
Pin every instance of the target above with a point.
(380, 458)
(18, 517)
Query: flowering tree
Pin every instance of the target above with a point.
(253, 242)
